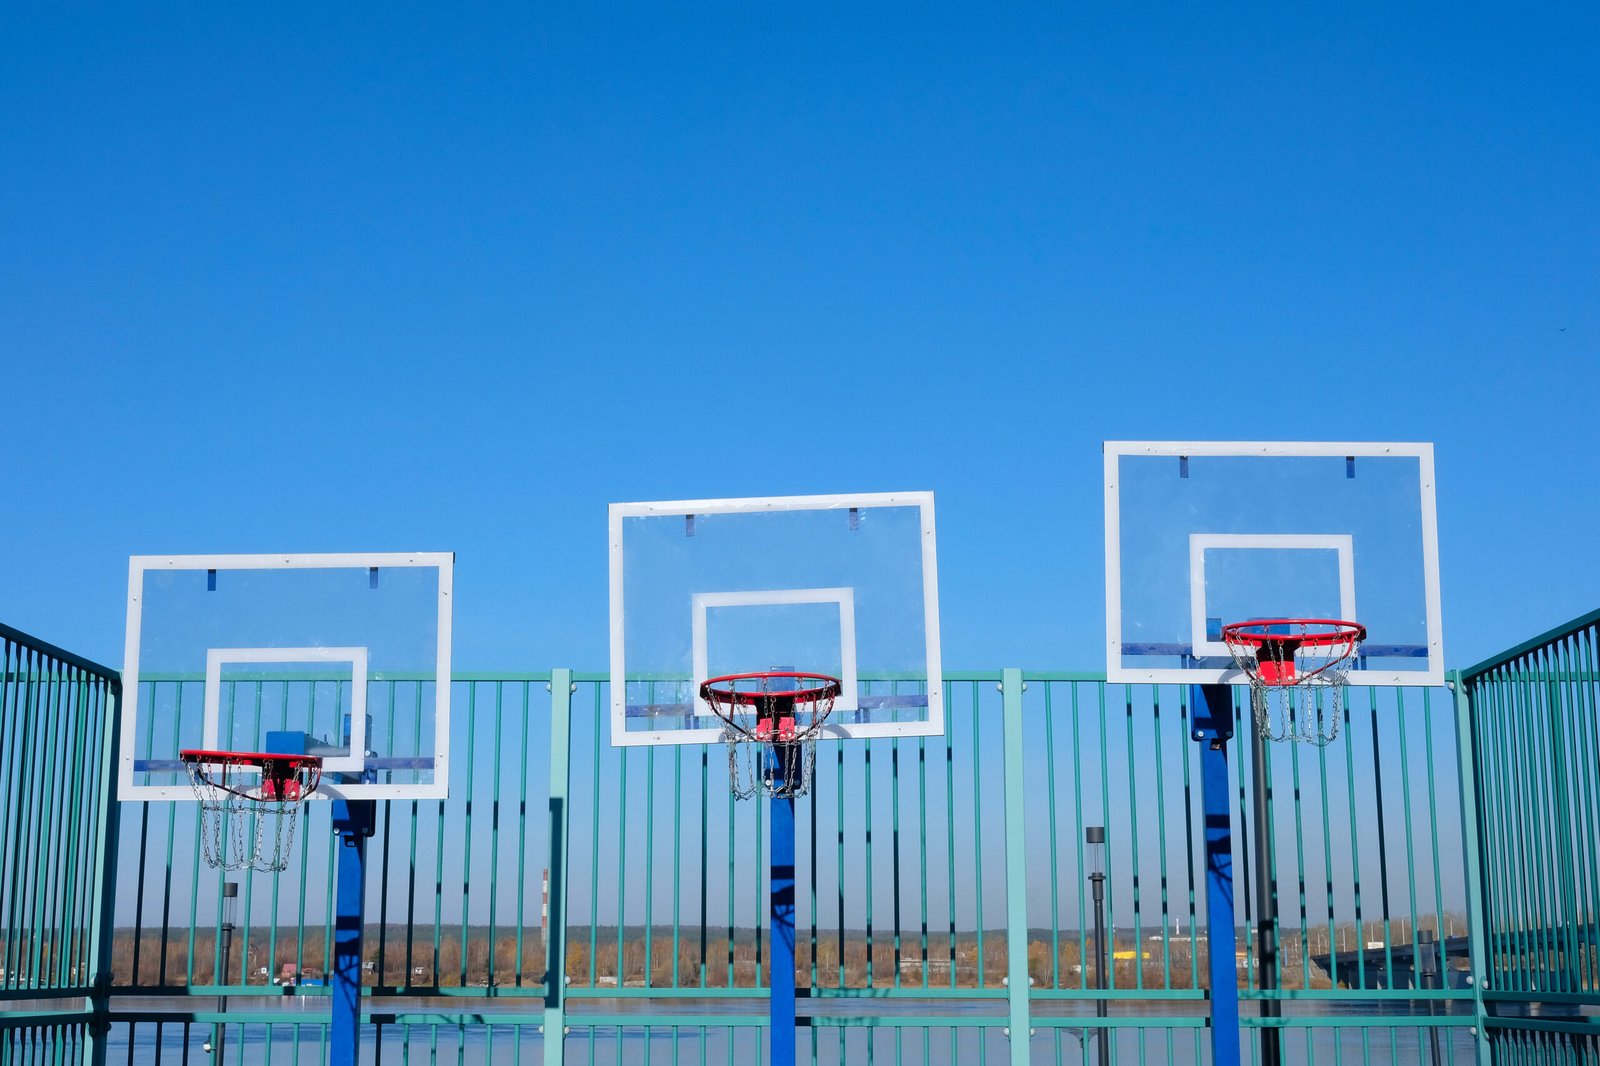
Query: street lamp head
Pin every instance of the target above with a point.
(1094, 839)
(230, 903)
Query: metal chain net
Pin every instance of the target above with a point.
(240, 831)
(758, 765)
(761, 769)
(1307, 710)
(1307, 713)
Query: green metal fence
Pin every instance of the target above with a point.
(1533, 715)
(944, 910)
(57, 828)
(922, 862)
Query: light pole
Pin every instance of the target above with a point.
(1094, 839)
(230, 904)
(1423, 960)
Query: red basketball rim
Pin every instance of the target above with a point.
(721, 690)
(1256, 634)
(281, 772)
(249, 758)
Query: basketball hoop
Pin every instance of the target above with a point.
(249, 803)
(773, 719)
(1291, 663)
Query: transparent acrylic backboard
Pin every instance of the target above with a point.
(344, 656)
(1201, 534)
(845, 586)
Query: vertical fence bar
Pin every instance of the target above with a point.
(1266, 896)
(977, 828)
(950, 830)
(105, 878)
(522, 829)
(1584, 712)
(555, 984)
(1016, 867)
(494, 829)
(649, 860)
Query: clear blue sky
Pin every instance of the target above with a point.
(301, 278)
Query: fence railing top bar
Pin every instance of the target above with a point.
(595, 677)
(949, 676)
(61, 654)
(601, 677)
(1472, 673)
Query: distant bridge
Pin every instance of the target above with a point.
(1395, 965)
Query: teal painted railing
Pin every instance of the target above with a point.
(1534, 720)
(57, 730)
(922, 861)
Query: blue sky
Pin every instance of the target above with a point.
(295, 278)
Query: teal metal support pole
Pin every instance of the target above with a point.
(103, 915)
(1213, 729)
(1471, 852)
(555, 945)
(1011, 688)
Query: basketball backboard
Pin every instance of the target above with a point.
(348, 655)
(1202, 534)
(840, 585)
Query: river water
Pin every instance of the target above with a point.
(845, 1033)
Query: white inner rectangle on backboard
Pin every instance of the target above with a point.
(1342, 546)
(216, 658)
(841, 657)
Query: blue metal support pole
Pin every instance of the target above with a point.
(1213, 728)
(782, 1029)
(353, 822)
(1016, 870)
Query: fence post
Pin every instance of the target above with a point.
(1467, 760)
(1016, 869)
(555, 943)
(103, 915)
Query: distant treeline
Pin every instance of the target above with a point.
(421, 957)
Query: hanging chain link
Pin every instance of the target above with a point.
(1307, 714)
(234, 822)
(762, 769)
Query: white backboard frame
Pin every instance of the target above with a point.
(1342, 544)
(217, 658)
(843, 598)
(932, 725)
(139, 565)
(1116, 672)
